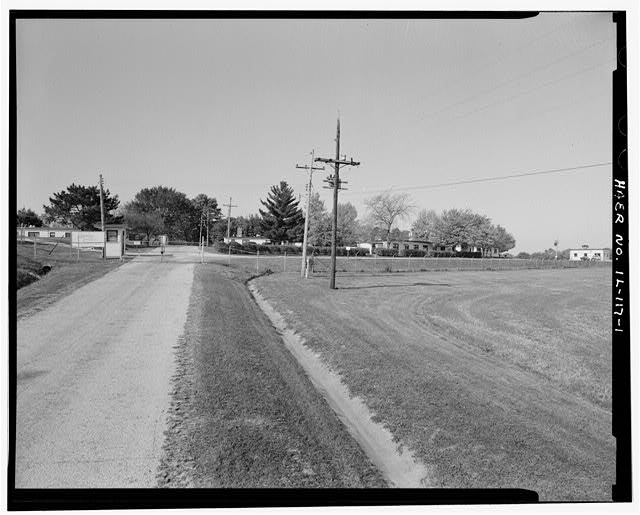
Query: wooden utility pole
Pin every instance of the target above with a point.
(336, 183)
(311, 169)
(229, 205)
(101, 204)
(104, 237)
(208, 211)
(200, 240)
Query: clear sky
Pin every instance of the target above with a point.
(229, 107)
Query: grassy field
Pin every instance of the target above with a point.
(496, 379)
(68, 271)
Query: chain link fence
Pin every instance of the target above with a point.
(57, 249)
(321, 265)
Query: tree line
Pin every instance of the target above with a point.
(164, 210)
(461, 227)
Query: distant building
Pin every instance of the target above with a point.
(587, 254)
(44, 232)
(400, 245)
(490, 252)
(243, 240)
(425, 245)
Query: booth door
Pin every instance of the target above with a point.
(112, 247)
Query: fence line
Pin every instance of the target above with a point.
(321, 265)
(56, 249)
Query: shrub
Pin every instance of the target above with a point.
(156, 241)
(340, 251)
(276, 249)
(469, 254)
(358, 251)
(220, 246)
(319, 251)
(415, 253)
(252, 248)
(387, 252)
(236, 248)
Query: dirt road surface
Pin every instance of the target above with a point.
(93, 377)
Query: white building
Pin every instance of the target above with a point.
(243, 240)
(44, 232)
(587, 254)
(400, 245)
(489, 252)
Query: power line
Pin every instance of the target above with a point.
(488, 179)
(514, 79)
(500, 58)
(530, 90)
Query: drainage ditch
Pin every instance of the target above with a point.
(399, 466)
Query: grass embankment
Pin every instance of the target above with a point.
(243, 412)
(66, 273)
(496, 379)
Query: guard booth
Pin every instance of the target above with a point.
(114, 240)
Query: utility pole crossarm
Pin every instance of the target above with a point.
(343, 162)
(306, 167)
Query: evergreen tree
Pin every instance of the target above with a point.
(28, 218)
(283, 220)
(79, 206)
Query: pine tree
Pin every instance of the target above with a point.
(283, 220)
(79, 206)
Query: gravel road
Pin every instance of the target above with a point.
(93, 377)
(165, 373)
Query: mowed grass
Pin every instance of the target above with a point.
(243, 413)
(68, 273)
(497, 379)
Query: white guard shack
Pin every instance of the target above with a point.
(114, 240)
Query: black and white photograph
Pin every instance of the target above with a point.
(288, 251)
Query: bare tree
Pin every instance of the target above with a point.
(386, 208)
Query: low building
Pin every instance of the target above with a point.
(587, 254)
(490, 252)
(400, 245)
(243, 240)
(44, 232)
